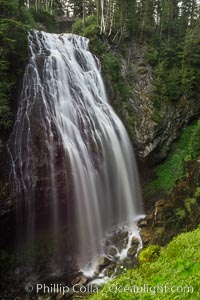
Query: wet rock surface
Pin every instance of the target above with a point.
(154, 130)
(178, 212)
(119, 240)
(132, 251)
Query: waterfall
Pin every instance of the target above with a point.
(72, 163)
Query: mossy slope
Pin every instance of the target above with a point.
(177, 267)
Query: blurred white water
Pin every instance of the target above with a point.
(63, 99)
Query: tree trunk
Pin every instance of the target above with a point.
(98, 11)
(84, 12)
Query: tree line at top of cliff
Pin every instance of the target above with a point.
(141, 18)
(170, 29)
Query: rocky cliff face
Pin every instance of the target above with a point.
(155, 130)
(176, 213)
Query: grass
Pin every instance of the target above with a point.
(173, 275)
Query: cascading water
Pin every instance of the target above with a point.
(70, 153)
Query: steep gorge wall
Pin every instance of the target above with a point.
(153, 130)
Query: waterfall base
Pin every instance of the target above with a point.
(121, 246)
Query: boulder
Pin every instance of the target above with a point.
(134, 241)
(60, 297)
(143, 223)
(104, 261)
(83, 280)
(112, 251)
(132, 251)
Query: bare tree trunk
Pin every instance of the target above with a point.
(102, 18)
(28, 4)
(107, 20)
(84, 12)
(51, 7)
(46, 5)
(122, 24)
(112, 12)
(98, 10)
(36, 5)
(142, 30)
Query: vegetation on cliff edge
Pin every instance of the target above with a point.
(187, 147)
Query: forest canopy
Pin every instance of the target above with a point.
(138, 17)
(169, 28)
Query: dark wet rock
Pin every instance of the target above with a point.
(110, 270)
(132, 251)
(102, 264)
(130, 262)
(74, 278)
(104, 261)
(119, 268)
(143, 223)
(60, 297)
(118, 239)
(134, 241)
(82, 280)
(146, 235)
(112, 251)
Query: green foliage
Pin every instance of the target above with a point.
(173, 167)
(195, 141)
(188, 204)
(90, 22)
(149, 254)
(112, 64)
(45, 19)
(166, 62)
(77, 27)
(151, 56)
(176, 66)
(191, 62)
(197, 193)
(13, 55)
(180, 213)
(177, 266)
(14, 25)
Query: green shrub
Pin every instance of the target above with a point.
(47, 20)
(188, 203)
(13, 40)
(197, 193)
(149, 254)
(15, 22)
(91, 30)
(151, 56)
(88, 30)
(77, 27)
(180, 213)
(195, 141)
